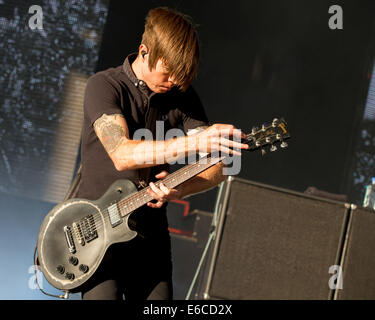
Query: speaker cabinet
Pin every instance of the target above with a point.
(358, 259)
(272, 243)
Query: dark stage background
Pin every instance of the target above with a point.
(259, 60)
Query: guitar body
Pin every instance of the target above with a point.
(76, 234)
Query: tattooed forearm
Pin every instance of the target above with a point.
(110, 132)
(129, 154)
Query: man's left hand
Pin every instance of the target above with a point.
(162, 193)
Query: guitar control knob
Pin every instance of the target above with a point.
(84, 268)
(60, 269)
(69, 276)
(73, 260)
(273, 148)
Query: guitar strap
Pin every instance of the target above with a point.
(144, 173)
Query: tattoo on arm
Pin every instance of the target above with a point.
(111, 134)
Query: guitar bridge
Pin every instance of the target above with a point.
(69, 239)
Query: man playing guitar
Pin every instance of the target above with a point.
(152, 85)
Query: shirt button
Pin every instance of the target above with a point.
(141, 83)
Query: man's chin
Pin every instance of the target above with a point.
(161, 89)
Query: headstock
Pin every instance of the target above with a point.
(273, 134)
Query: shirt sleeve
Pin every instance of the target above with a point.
(192, 111)
(101, 97)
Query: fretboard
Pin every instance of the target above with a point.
(140, 198)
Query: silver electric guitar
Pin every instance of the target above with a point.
(76, 233)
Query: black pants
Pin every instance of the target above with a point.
(139, 269)
(112, 290)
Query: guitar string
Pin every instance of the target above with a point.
(98, 218)
(104, 213)
(134, 198)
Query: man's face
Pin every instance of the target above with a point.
(158, 79)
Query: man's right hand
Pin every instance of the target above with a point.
(221, 138)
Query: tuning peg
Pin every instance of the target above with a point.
(283, 144)
(263, 127)
(273, 148)
(274, 122)
(254, 130)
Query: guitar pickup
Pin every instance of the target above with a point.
(88, 228)
(78, 233)
(114, 215)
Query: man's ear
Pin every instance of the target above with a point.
(143, 50)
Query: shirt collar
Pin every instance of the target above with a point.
(139, 84)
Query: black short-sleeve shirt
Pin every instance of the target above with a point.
(118, 91)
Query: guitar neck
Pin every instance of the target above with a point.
(140, 198)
